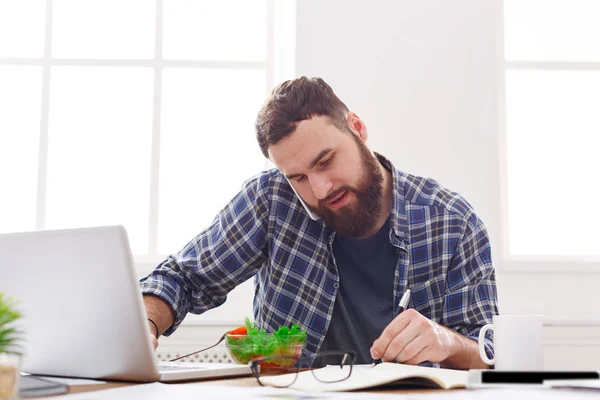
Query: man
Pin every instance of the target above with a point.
(376, 232)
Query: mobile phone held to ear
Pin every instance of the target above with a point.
(312, 215)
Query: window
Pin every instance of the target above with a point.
(551, 89)
(126, 112)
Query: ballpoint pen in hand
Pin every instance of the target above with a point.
(401, 307)
(403, 303)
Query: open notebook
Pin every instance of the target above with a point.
(365, 376)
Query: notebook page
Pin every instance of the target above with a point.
(364, 376)
(445, 378)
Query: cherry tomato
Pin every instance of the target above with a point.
(239, 331)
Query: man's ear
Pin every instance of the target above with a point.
(357, 126)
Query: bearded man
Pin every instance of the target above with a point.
(334, 236)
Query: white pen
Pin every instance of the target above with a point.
(403, 302)
(401, 307)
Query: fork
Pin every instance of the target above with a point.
(199, 351)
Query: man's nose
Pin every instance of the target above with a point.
(321, 186)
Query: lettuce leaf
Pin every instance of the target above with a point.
(259, 343)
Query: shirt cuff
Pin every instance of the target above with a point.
(163, 288)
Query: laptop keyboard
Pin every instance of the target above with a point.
(177, 367)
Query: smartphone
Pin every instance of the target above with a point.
(312, 215)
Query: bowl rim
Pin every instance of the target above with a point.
(236, 335)
(227, 344)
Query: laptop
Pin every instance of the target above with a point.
(84, 314)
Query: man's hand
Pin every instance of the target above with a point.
(412, 338)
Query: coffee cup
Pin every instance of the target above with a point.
(518, 343)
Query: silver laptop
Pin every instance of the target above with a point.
(84, 314)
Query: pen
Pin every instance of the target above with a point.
(401, 307)
(403, 302)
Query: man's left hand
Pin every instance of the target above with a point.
(412, 338)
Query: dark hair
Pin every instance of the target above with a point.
(294, 101)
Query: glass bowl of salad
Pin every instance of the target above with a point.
(248, 342)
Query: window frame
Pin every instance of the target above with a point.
(279, 65)
(528, 263)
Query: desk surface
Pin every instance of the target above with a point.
(235, 382)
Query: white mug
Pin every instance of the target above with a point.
(518, 343)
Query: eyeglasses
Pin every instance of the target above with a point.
(287, 368)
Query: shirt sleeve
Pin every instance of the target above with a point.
(230, 251)
(471, 298)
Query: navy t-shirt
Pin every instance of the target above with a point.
(364, 305)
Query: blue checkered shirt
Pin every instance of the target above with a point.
(444, 257)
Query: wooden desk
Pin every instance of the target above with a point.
(237, 382)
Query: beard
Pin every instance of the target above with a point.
(358, 219)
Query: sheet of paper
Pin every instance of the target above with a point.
(290, 394)
(575, 383)
(538, 393)
(161, 391)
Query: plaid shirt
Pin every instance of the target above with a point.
(444, 257)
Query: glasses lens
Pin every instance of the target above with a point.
(339, 367)
(278, 371)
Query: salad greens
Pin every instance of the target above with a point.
(258, 343)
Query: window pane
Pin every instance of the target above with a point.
(22, 25)
(208, 147)
(20, 104)
(121, 29)
(99, 149)
(552, 30)
(552, 144)
(215, 30)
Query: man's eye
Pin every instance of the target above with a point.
(326, 162)
(301, 178)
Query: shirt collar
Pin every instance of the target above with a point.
(399, 220)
